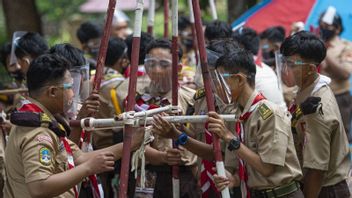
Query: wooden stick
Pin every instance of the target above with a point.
(126, 153)
(151, 16)
(166, 18)
(13, 91)
(208, 91)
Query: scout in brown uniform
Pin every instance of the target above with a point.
(337, 64)
(320, 138)
(40, 160)
(268, 163)
(158, 93)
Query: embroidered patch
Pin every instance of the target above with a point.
(199, 94)
(45, 156)
(264, 111)
(45, 118)
(44, 138)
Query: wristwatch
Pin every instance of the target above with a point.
(182, 139)
(234, 144)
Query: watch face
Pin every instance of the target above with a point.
(234, 144)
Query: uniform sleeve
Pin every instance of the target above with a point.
(38, 156)
(76, 151)
(272, 138)
(316, 150)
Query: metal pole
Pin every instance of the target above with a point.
(208, 91)
(124, 173)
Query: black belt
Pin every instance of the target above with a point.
(278, 191)
(168, 169)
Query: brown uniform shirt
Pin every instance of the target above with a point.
(342, 51)
(185, 98)
(113, 80)
(34, 154)
(267, 132)
(321, 139)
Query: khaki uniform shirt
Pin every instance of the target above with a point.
(34, 154)
(267, 132)
(112, 80)
(342, 51)
(321, 138)
(185, 98)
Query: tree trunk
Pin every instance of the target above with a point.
(237, 7)
(21, 15)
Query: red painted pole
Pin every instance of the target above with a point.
(166, 18)
(124, 173)
(175, 169)
(208, 90)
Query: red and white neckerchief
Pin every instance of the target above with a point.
(207, 172)
(31, 107)
(242, 172)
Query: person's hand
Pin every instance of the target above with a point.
(217, 125)
(137, 138)
(229, 181)
(101, 162)
(90, 106)
(172, 156)
(164, 128)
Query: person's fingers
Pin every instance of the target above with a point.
(213, 114)
(214, 120)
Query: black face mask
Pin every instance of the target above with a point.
(268, 54)
(326, 34)
(188, 43)
(17, 75)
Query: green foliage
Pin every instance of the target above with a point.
(57, 10)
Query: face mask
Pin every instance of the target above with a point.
(188, 43)
(94, 52)
(326, 34)
(268, 55)
(17, 75)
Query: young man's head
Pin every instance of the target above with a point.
(14, 70)
(146, 38)
(217, 30)
(185, 28)
(330, 24)
(120, 27)
(247, 38)
(270, 41)
(49, 81)
(28, 47)
(302, 53)
(89, 34)
(116, 55)
(79, 70)
(236, 72)
(158, 65)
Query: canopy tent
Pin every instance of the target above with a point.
(99, 6)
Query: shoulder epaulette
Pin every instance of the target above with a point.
(264, 111)
(200, 93)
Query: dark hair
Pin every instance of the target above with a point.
(116, 49)
(305, 44)
(146, 38)
(223, 46)
(239, 60)
(31, 44)
(337, 21)
(88, 31)
(216, 30)
(5, 52)
(248, 38)
(183, 22)
(163, 43)
(71, 54)
(274, 34)
(46, 69)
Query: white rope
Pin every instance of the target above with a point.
(139, 153)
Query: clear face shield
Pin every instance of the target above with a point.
(80, 76)
(159, 71)
(14, 67)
